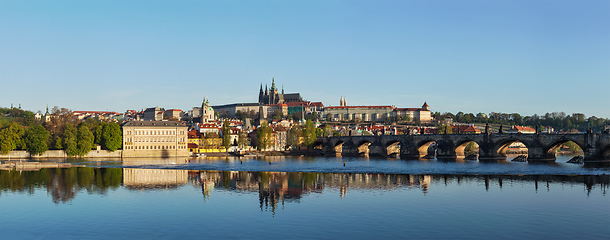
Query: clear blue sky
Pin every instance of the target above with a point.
(473, 56)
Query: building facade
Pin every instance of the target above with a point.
(153, 114)
(272, 95)
(205, 113)
(375, 113)
(154, 139)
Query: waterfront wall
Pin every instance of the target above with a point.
(98, 154)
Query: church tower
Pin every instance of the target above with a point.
(260, 95)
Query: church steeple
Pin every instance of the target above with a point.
(282, 89)
(260, 95)
(273, 88)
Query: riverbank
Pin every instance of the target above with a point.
(266, 153)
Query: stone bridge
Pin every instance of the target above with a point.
(492, 147)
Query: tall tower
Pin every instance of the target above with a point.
(260, 95)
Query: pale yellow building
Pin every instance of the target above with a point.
(154, 139)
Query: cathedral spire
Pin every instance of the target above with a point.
(282, 89)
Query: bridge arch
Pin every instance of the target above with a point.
(501, 148)
(363, 147)
(551, 150)
(318, 144)
(423, 148)
(338, 146)
(392, 147)
(605, 154)
(460, 147)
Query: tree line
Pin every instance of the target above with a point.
(560, 121)
(63, 131)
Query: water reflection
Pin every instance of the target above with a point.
(136, 178)
(273, 188)
(61, 183)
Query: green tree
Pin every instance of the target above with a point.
(470, 149)
(309, 134)
(112, 137)
(277, 114)
(239, 115)
(70, 140)
(406, 118)
(11, 137)
(226, 134)
(58, 145)
(36, 138)
(84, 142)
(442, 128)
(242, 140)
(294, 134)
(263, 136)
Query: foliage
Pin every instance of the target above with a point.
(58, 145)
(560, 121)
(23, 117)
(242, 140)
(112, 137)
(36, 140)
(11, 137)
(70, 140)
(263, 136)
(470, 149)
(277, 114)
(226, 134)
(59, 118)
(309, 134)
(442, 129)
(84, 140)
(295, 136)
(239, 115)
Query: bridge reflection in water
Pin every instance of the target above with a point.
(492, 147)
(272, 187)
(281, 187)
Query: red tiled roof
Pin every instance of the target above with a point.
(344, 107)
(521, 128)
(409, 109)
(94, 112)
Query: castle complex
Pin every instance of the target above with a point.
(271, 95)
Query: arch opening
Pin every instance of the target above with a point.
(565, 148)
(468, 150)
(427, 149)
(363, 147)
(393, 148)
(317, 145)
(339, 147)
(513, 149)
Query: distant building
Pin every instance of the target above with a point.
(153, 114)
(173, 113)
(422, 114)
(465, 129)
(521, 129)
(272, 96)
(203, 114)
(375, 113)
(154, 139)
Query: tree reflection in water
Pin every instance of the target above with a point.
(62, 183)
(273, 188)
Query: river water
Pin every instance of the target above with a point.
(305, 197)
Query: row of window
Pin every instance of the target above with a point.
(154, 132)
(154, 147)
(152, 139)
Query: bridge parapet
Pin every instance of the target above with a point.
(541, 147)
